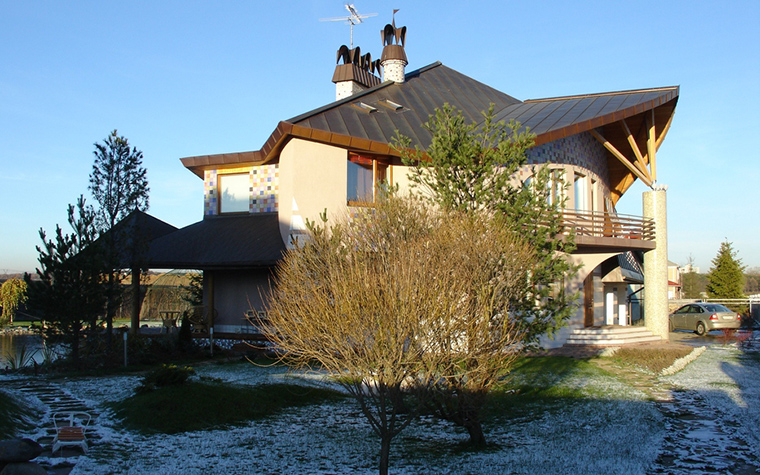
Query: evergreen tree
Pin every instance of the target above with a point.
(691, 282)
(119, 184)
(470, 167)
(726, 277)
(69, 294)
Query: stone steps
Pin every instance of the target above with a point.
(610, 336)
(56, 400)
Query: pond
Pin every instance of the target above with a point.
(14, 347)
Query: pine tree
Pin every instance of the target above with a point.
(726, 277)
(119, 184)
(470, 167)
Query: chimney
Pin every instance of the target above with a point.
(393, 59)
(356, 74)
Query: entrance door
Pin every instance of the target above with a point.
(588, 300)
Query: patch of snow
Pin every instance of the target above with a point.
(681, 363)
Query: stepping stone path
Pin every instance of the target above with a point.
(56, 400)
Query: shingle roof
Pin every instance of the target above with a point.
(221, 242)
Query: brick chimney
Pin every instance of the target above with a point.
(356, 74)
(393, 59)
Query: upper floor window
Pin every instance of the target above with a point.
(579, 185)
(365, 175)
(234, 192)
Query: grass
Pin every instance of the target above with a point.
(653, 360)
(203, 405)
(537, 380)
(12, 415)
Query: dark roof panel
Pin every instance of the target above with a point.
(251, 240)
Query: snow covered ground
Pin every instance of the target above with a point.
(616, 430)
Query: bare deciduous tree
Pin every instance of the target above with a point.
(401, 302)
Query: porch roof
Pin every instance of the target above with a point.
(221, 242)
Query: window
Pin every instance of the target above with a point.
(234, 192)
(365, 175)
(579, 185)
(556, 186)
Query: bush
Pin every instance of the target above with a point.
(166, 375)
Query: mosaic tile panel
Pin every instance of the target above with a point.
(265, 189)
(210, 193)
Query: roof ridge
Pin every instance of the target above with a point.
(600, 94)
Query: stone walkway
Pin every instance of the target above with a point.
(55, 400)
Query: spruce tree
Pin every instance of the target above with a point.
(726, 277)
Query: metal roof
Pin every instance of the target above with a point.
(221, 242)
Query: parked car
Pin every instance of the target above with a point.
(704, 317)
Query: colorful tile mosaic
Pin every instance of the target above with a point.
(210, 193)
(265, 188)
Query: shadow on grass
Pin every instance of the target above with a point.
(201, 405)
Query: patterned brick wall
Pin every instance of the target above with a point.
(581, 150)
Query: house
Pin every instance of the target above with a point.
(256, 202)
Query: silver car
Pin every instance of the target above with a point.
(704, 317)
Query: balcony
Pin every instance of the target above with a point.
(597, 231)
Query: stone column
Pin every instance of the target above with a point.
(656, 265)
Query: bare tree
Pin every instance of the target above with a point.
(400, 301)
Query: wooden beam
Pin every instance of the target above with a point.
(651, 147)
(640, 163)
(665, 130)
(621, 157)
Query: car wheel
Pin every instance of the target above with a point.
(701, 329)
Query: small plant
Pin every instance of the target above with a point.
(166, 375)
(22, 357)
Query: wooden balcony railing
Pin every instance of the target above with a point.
(601, 224)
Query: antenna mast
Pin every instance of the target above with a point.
(353, 18)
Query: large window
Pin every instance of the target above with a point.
(365, 175)
(234, 192)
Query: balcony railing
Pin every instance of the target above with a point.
(609, 225)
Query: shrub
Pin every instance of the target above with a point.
(166, 375)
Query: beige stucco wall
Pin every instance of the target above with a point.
(313, 177)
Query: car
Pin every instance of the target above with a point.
(704, 317)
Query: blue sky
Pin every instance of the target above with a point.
(183, 78)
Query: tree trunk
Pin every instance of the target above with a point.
(385, 453)
(475, 429)
(135, 320)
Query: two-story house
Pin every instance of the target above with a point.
(255, 202)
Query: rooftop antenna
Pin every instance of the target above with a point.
(353, 18)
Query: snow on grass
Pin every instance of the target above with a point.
(613, 429)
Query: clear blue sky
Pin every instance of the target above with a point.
(182, 78)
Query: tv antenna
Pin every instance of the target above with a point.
(353, 18)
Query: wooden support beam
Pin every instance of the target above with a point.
(651, 147)
(664, 132)
(621, 157)
(640, 163)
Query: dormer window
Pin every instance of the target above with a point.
(365, 175)
(234, 192)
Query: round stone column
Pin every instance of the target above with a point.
(656, 265)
